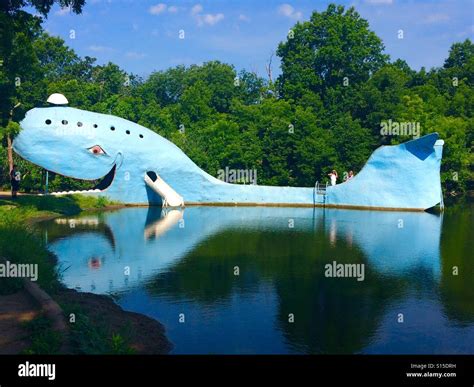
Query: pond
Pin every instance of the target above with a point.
(262, 280)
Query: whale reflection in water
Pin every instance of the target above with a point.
(117, 250)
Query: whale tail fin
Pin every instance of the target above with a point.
(404, 176)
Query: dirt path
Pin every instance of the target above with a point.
(7, 195)
(15, 309)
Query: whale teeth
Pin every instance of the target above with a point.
(74, 192)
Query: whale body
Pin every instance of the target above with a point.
(138, 166)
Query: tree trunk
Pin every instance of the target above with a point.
(10, 153)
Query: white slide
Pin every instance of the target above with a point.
(170, 197)
(158, 228)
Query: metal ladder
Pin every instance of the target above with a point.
(319, 190)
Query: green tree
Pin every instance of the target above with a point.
(333, 46)
(19, 62)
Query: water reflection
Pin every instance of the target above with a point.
(242, 275)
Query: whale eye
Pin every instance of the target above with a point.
(97, 150)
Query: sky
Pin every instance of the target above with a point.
(143, 36)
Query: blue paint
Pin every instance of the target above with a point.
(402, 176)
(61, 139)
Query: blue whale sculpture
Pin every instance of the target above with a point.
(138, 166)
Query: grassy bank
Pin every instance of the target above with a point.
(19, 243)
(30, 206)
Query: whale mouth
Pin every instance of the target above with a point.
(96, 186)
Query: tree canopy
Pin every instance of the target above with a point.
(324, 111)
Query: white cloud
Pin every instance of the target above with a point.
(135, 55)
(469, 31)
(63, 11)
(187, 61)
(196, 9)
(210, 19)
(244, 18)
(100, 48)
(160, 8)
(288, 11)
(157, 9)
(378, 2)
(436, 18)
(205, 18)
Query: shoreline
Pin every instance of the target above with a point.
(142, 334)
(82, 323)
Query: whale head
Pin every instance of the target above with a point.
(91, 146)
(60, 139)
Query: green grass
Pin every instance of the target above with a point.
(19, 244)
(92, 202)
(32, 205)
(10, 285)
(94, 338)
(86, 336)
(15, 213)
(43, 339)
